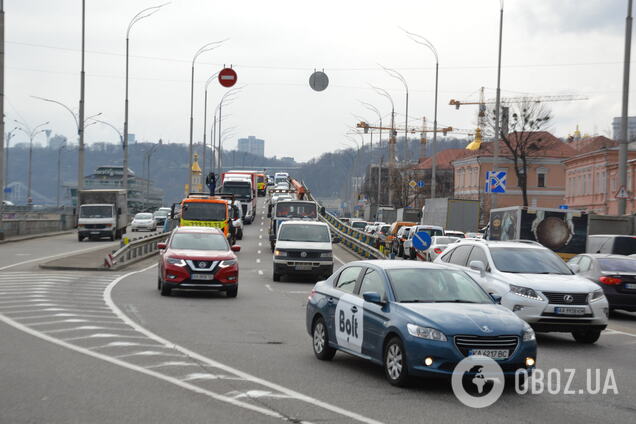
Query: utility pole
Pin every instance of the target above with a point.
(622, 152)
(2, 170)
(59, 173)
(495, 159)
(80, 125)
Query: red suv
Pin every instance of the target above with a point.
(198, 258)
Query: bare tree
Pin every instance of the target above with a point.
(524, 137)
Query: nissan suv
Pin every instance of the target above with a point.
(534, 283)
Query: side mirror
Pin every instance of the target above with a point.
(575, 268)
(236, 248)
(478, 266)
(161, 246)
(372, 297)
(495, 297)
(336, 240)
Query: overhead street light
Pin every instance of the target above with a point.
(31, 133)
(205, 119)
(386, 94)
(395, 74)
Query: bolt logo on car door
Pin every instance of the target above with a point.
(349, 322)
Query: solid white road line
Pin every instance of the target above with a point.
(612, 331)
(248, 377)
(339, 260)
(268, 287)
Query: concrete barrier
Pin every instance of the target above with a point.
(22, 222)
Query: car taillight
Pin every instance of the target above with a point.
(438, 250)
(610, 281)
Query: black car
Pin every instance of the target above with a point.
(616, 274)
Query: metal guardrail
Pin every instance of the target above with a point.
(357, 241)
(135, 250)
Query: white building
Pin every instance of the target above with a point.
(252, 145)
(631, 128)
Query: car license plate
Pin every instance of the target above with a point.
(303, 267)
(490, 353)
(630, 286)
(95, 232)
(569, 311)
(202, 277)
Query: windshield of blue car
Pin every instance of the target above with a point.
(528, 261)
(199, 241)
(419, 285)
(309, 233)
(617, 265)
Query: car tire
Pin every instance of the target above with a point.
(165, 291)
(275, 276)
(586, 336)
(158, 283)
(239, 235)
(80, 238)
(412, 254)
(394, 363)
(320, 341)
(112, 236)
(233, 292)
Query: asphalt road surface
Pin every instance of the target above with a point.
(103, 347)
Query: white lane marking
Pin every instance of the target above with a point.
(338, 259)
(258, 261)
(54, 256)
(206, 376)
(260, 229)
(248, 377)
(140, 369)
(260, 244)
(260, 272)
(258, 252)
(260, 237)
(298, 292)
(269, 287)
(624, 333)
(255, 394)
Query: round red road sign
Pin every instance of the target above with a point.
(227, 77)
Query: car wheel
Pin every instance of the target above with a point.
(412, 254)
(586, 336)
(233, 292)
(275, 276)
(239, 235)
(320, 341)
(80, 238)
(165, 291)
(158, 283)
(395, 362)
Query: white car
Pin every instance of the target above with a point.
(237, 220)
(437, 247)
(431, 230)
(143, 221)
(535, 284)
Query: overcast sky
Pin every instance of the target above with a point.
(550, 47)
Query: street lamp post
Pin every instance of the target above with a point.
(148, 155)
(227, 97)
(386, 94)
(205, 48)
(139, 16)
(31, 133)
(80, 120)
(495, 159)
(7, 150)
(375, 109)
(59, 173)
(397, 75)
(205, 119)
(622, 147)
(423, 41)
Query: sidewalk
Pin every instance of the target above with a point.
(89, 261)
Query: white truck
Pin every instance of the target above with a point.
(101, 213)
(240, 185)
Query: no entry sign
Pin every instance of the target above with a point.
(227, 77)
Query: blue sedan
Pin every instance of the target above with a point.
(414, 319)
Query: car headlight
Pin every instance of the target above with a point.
(227, 263)
(325, 255)
(176, 261)
(425, 333)
(528, 335)
(595, 296)
(525, 292)
(280, 253)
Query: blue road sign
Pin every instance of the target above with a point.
(564, 207)
(420, 183)
(421, 240)
(495, 182)
(7, 189)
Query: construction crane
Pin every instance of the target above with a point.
(366, 127)
(481, 114)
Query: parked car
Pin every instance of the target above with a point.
(143, 221)
(303, 247)
(534, 283)
(438, 245)
(615, 274)
(358, 224)
(611, 243)
(431, 230)
(198, 258)
(415, 319)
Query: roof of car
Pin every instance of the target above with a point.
(209, 230)
(393, 264)
(525, 244)
(303, 222)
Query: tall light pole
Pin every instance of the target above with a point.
(397, 75)
(386, 94)
(139, 16)
(495, 159)
(377, 112)
(205, 48)
(7, 150)
(114, 128)
(31, 133)
(59, 173)
(205, 119)
(80, 119)
(147, 155)
(227, 97)
(622, 151)
(3, 181)
(423, 41)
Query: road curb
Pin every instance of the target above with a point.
(35, 236)
(103, 268)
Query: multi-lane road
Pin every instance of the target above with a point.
(84, 347)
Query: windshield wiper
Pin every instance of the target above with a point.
(416, 301)
(455, 301)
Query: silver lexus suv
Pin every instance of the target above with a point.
(534, 283)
